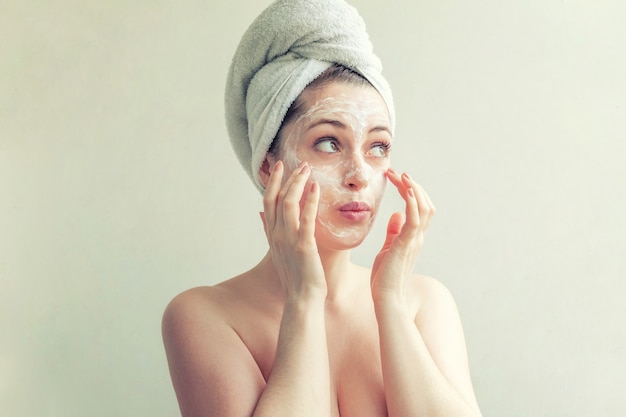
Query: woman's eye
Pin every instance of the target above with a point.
(327, 145)
(379, 150)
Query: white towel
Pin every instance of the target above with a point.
(289, 45)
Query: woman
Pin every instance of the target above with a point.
(306, 332)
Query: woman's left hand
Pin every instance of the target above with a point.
(405, 238)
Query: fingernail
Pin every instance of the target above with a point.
(392, 171)
(305, 168)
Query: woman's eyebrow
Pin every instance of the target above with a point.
(381, 128)
(332, 122)
(341, 125)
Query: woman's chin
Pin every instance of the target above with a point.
(340, 238)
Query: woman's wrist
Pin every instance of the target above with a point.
(390, 305)
(306, 300)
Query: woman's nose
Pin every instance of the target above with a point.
(355, 178)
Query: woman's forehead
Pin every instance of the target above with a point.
(341, 100)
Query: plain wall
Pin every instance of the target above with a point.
(118, 190)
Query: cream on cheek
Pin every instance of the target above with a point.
(334, 193)
(335, 171)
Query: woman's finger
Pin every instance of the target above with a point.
(293, 195)
(396, 180)
(429, 204)
(422, 203)
(280, 216)
(412, 216)
(271, 194)
(394, 226)
(432, 206)
(309, 210)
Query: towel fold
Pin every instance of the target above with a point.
(289, 45)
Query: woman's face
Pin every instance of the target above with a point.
(345, 135)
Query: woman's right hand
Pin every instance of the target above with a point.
(289, 224)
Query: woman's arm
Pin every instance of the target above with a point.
(423, 357)
(424, 360)
(214, 373)
(299, 384)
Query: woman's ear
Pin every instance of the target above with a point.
(266, 168)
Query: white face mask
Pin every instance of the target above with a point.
(345, 137)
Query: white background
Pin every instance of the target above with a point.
(118, 190)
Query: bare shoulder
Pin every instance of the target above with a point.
(206, 304)
(430, 296)
(191, 321)
(198, 317)
(190, 308)
(193, 299)
(207, 357)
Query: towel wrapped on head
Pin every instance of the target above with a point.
(290, 44)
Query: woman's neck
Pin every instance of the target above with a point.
(341, 279)
(339, 273)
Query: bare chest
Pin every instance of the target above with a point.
(354, 358)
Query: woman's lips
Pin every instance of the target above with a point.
(355, 211)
